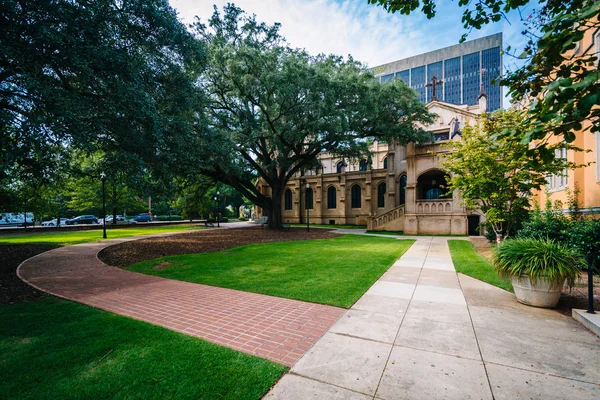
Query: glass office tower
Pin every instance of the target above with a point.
(461, 68)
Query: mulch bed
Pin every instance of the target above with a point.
(128, 253)
(576, 297)
(12, 288)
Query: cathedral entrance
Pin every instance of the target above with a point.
(473, 222)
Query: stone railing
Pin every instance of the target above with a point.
(386, 217)
(437, 206)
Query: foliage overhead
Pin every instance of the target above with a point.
(107, 75)
(563, 81)
(496, 174)
(273, 109)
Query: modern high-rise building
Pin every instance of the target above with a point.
(459, 71)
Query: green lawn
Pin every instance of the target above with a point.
(328, 271)
(332, 226)
(467, 261)
(68, 238)
(55, 349)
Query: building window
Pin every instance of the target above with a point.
(288, 199)
(490, 70)
(356, 196)
(402, 187)
(470, 78)
(597, 45)
(331, 197)
(387, 78)
(417, 82)
(404, 75)
(381, 189)
(309, 199)
(434, 193)
(338, 168)
(435, 69)
(385, 163)
(559, 181)
(363, 165)
(452, 80)
(597, 134)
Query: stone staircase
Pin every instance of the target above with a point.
(392, 220)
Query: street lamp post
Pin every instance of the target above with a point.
(308, 210)
(218, 209)
(103, 177)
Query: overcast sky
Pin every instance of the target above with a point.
(354, 27)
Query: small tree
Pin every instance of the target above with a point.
(495, 174)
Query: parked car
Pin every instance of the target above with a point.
(54, 222)
(109, 218)
(141, 218)
(15, 219)
(82, 219)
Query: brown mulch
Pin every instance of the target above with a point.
(128, 253)
(575, 297)
(12, 288)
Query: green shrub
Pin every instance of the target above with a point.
(211, 220)
(224, 219)
(242, 219)
(538, 258)
(169, 218)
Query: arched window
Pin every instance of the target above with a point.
(363, 165)
(381, 189)
(309, 198)
(402, 186)
(331, 197)
(356, 196)
(338, 168)
(385, 163)
(288, 199)
(434, 193)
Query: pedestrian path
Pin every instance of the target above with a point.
(422, 331)
(278, 329)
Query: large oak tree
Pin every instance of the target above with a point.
(273, 109)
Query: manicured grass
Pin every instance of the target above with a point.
(328, 271)
(55, 349)
(333, 226)
(467, 261)
(67, 238)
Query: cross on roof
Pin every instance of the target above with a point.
(433, 86)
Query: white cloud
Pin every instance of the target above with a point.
(354, 27)
(340, 27)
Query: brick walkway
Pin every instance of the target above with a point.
(278, 329)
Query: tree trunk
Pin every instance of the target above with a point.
(274, 213)
(114, 201)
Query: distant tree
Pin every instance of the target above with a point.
(116, 76)
(496, 175)
(273, 109)
(564, 85)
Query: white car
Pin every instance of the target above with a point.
(54, 222)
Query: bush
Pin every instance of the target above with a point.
(169, 218)
(211, 220)
(547, 224)
(538, 258)
(242, 219)
(224, 219)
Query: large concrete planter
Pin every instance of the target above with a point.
(541, 294)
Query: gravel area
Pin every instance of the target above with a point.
(128, 253)
(12, 288)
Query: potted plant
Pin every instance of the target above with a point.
(538, 268)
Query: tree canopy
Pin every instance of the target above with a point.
(115, 76)
(564, 84)
(272, 109)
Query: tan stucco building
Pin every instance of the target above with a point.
(401, 188)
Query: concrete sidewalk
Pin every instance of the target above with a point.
(424, 332)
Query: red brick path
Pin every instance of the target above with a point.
(278, 329)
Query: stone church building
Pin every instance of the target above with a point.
(402, 188)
